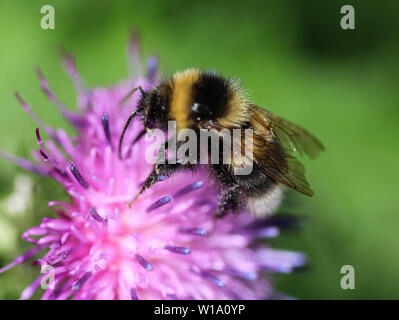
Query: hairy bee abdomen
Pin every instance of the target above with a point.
(265, 204)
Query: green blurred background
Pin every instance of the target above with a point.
(295, 60)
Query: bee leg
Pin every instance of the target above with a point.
(138, 137)
(155, 174)
(231, 201)
(151, 179)
(159, 170)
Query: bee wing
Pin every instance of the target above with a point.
(291, 136)
(277, 162)
(280, 139)
(274, 140)
(284, 168)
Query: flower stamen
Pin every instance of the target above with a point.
(189, 188)
(95, 215)
(180, 250)
(194, 231)
(78, 176)
(159, 203)
(144, 263)
(105, 123)
(79, 284)
(133, 294)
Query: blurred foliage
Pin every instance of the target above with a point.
(294, 59)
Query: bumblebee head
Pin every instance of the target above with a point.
(153, 108)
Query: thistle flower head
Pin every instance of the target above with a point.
(168, 245)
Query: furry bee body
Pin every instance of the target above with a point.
(222, 97)
(201, 100)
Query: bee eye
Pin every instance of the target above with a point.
(201, 111)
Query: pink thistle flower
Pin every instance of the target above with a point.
(168, 245)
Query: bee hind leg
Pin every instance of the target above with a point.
(231, 201)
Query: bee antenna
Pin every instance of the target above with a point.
(130, 93)
(132, 115)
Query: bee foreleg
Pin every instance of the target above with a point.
(155, 174)
(160, 170)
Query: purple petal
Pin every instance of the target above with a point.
(280, 260)
(20, 259)
(133, 54)
(50, 131)
(30, 290)
(133, 294)
(66, 113)
(23, 163)
(70, 68)
(152, 68)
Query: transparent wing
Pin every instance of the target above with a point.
(280, 165)
(291, 136)
(273, 158)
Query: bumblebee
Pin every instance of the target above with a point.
(201, 100)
